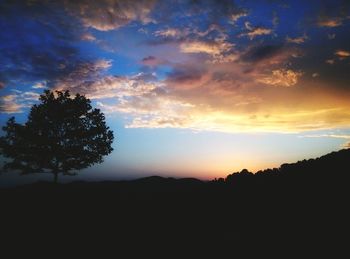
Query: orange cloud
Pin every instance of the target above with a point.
(210, 48)
(346, 145)
(297, 40)
(255, 31)
(342, 53)
(329, 22)
(281, 77)
(252, 91)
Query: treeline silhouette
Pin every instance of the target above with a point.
(298, 209)
(332, 167)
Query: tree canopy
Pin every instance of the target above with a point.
(63, 134)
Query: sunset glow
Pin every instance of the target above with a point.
(190, 88)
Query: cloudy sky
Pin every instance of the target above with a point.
(190, 87)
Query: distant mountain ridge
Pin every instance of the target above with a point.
(332, 164)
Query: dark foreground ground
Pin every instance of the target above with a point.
(298, 210)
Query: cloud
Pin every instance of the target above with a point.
(172, 33)
(88, 37)
(281, 77)
(185, 76)
(146, 77)
(331, 36)
(197, 95)
(255, 31)
(330, 135)
(330, 22)
(346, 145)
(236, 16)
(30, 96)
(151, 61)
(164, 111)
(147, 103)
(220, 50)
(40, 85)
(40, 45)
(15, 103)
(275, 19)
(101, 87)
(210, 48)
(155, 111)
(262, 52)
(82, 74)
(268, 56)
(8, 104)
(106, 15)
(212, 41)
(213, 9)
(342, 54)
(297, 40)
(258, 31)
(330, 61)
(214, 81)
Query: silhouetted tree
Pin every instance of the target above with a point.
(62, 134)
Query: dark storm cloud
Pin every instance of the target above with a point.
(36, 41)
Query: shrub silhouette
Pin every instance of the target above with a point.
(62, 134)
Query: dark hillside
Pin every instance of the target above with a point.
(300, 205)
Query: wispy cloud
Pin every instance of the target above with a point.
(153, 61)
(8, 104)
(16, 102)
(40, 85)
(342, 54)
(329, 135)
(255, 31)
(330, 22)
(88, 37)
(239, 14)
(172, 33)
(297, 40)
(330, 61)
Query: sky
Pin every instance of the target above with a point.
(191, 88)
